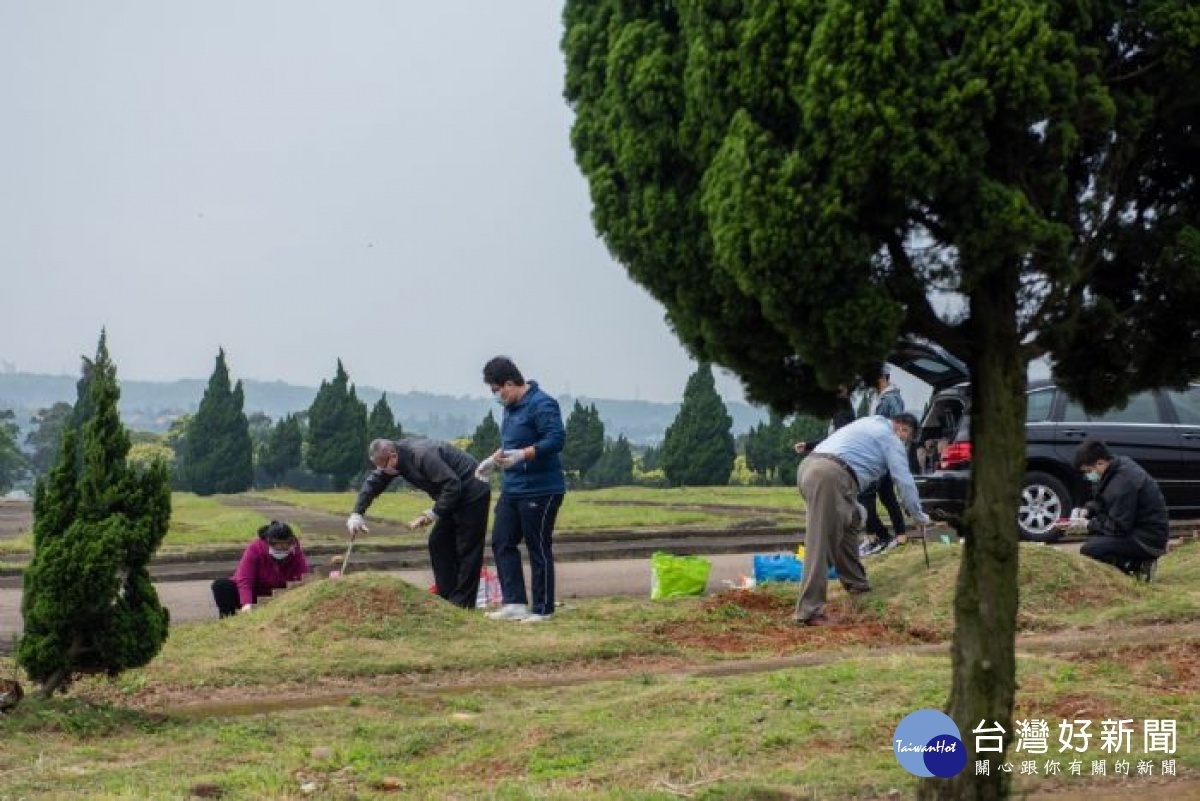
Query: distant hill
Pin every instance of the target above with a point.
(152, 405)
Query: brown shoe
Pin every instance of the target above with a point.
(819, 619)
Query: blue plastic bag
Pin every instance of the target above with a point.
(781, 567)
(776, 567)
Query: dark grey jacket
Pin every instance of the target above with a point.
(443, 471)
(1128, 503)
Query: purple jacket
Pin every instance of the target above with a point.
(258, 573)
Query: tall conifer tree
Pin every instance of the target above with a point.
(337, 430)
(584, 439)
(220, 453)
(382, 423)
(486, 439)
(698, 447)
(88, 604)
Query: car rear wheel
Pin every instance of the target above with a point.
(1044, 499)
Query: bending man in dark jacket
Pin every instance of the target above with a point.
(459, 514)
(1127, 521)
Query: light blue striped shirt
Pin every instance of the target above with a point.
(871, 448)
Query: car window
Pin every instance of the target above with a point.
(1141, 408)
(1187, 405)
(1038, 404)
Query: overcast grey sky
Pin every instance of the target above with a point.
(386, 182)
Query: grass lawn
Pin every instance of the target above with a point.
(226, 521)
(365, 687)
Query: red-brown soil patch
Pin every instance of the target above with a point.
(749, 621)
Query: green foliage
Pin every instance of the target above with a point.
(698, 448)
(798, 178)
(614, 468)
(770, 451)
(142, 455)
(486, 439)
(337, 430)
(584, 440)
(382, 423)
(46, 436)
(220, 456)
(283, 450)
(88, 604)
(651, 458)
(259, 425)
(13, 464)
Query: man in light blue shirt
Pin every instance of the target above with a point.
(851, 460)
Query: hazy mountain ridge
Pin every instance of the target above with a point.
(152, 405)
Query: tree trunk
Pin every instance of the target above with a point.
(985, 601)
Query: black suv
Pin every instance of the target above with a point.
(1160, 430)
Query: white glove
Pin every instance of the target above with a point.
(486, 468)
(510, 459)
(356, 524)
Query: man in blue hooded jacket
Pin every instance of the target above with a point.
(531, 438)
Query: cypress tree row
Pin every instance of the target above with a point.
(220, 456)
(698, 447)
(89, 605)
(382, 423)
(337, 430)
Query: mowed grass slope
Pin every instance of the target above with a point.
(366, 687)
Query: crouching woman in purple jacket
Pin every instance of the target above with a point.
(269, 562)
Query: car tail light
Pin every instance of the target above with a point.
(957, 454)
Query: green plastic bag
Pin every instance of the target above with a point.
(677, 576)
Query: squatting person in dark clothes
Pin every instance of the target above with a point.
(1127, 522)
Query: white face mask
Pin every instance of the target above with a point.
(1092, 476)
(279, 555)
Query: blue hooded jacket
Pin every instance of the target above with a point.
(534, 420)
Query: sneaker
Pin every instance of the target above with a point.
(536, 618)
(510, 612)
(879, 547)
(894, 542)
(865, 548)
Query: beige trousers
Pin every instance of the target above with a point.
(832, 536)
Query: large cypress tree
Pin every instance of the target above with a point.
(88, 604)
(486, 439)
(583, 440)
(337, 430)
(698, 448)
(382, 423)
(220, 456)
